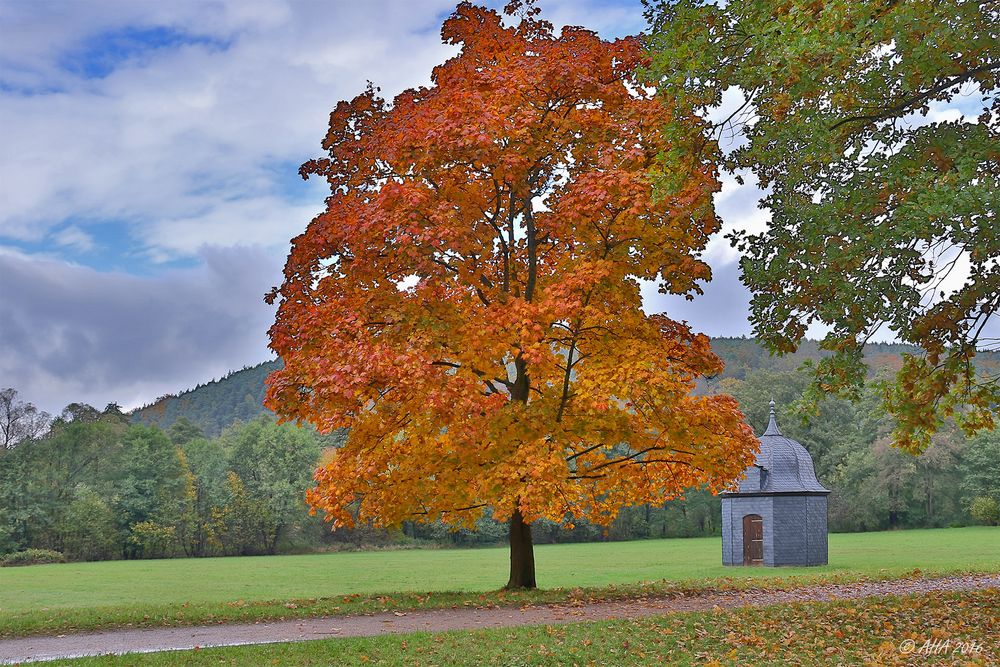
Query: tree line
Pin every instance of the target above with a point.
(90, 485)
(95, 487)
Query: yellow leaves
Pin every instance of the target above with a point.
(471, 339)
(780, 105)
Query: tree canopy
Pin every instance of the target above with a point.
(469, 303)
(19, 420)
(883, 205)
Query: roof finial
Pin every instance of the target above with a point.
(772, 423)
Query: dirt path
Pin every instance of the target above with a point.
(162, 639)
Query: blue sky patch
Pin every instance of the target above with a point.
(291, 187)
(112, 247)
(99, 55)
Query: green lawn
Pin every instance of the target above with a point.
(84, 595)
(873, 631)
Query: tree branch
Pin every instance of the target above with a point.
(918, 97)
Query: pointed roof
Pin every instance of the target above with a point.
(784, 465)
(772, 423)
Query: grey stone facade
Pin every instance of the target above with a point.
(781, 488)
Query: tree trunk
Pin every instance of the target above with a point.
(893, 512)
(930, 506)
(522, 554)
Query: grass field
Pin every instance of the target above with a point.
(181, 591)
(949, 628)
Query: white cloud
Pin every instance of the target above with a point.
(191, 147)
(74, 238)
(182, 133)
(71, 333)
(737, 206)
(721, 311)
(262, 221)
(731, 115)
(207, 128)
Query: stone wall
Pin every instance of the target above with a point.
(733, 511)
(795, 528)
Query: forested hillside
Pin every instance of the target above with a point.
(239, 395)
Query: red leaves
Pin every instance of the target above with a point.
(469, 302)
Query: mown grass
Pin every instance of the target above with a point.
(82, 596)
(936, 628)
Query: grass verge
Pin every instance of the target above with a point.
(933, 628)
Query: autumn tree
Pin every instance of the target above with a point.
(468, 304)
(883, 201)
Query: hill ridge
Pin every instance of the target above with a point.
(239, 395)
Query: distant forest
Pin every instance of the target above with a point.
(208, 472)
(239, 396)
(236, 397)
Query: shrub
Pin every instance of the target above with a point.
(32, 557)
(985, 510)
(152, 540)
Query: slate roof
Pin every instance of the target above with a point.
(782, 466)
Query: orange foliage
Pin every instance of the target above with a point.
(469, 302)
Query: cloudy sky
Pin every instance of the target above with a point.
(148, 184)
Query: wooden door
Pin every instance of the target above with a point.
(753, 540)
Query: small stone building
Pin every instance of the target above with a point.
(778, 515)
